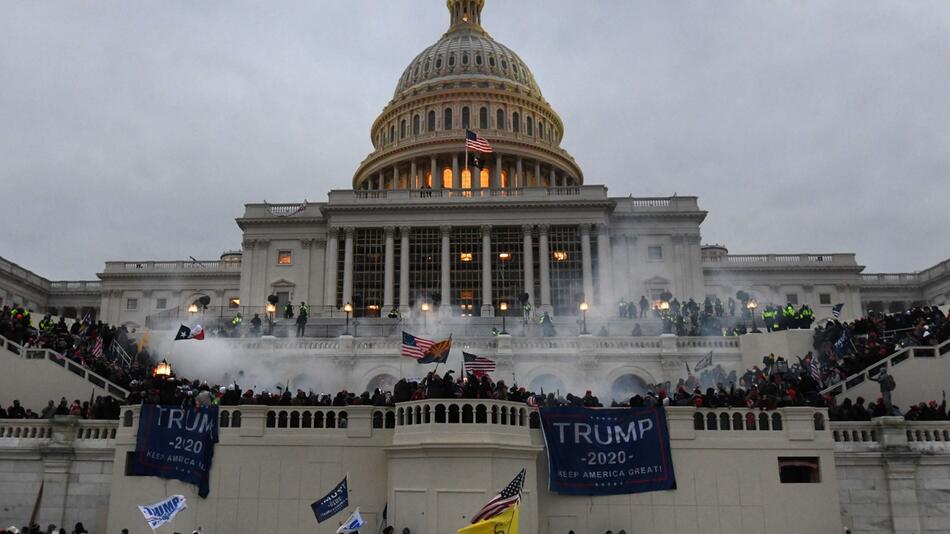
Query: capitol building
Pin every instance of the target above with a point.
(434, 238)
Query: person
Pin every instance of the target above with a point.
(79, 529)
(394, 313)
(256, 325)
(732, 307)
(887, 385)
(547, 325)
(304, 309)
(622, 305)
(125, 531)
(644, 306)
(637, 331)
(236, 323)
(301, 324)
(288, 310)
(46, 324)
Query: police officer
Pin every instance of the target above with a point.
(236, 323)
(288, 310)
(394, 313)
(304, 309)
(46, 324)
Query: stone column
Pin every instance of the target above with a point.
(303, 286)
(456, 177)
(586, 264)
(395, 177)
(528, 263)
(496, 179)
(388, 268)
(413, 172)
(544, 262)
(348, 265)
(488, 310)
(605, 273)
(403, 269)
(445, 309)
(433, 167)
(333, 251)
(553, 177)
(537, 173)
(380, 181)
(520, 173)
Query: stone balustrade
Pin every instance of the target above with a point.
(182, 266)
(71, 427)
(892, 433)
(783, 260)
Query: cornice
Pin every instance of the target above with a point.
(607, 204)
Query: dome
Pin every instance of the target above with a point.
(467, 52)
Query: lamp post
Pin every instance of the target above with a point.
(751, 306)
(425, 315)
(348, 308)
(271, 310)
(504, 312)
(584, 307)
(193, 308)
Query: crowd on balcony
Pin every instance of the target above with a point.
(861, 410)
(847, 348)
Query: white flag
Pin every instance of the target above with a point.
(352, 524)
(162, 512)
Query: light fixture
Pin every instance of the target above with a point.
(584, 306)
(271, 308)
(752, 304)
(425, 306)
(193, 308)
(163, 369)
(465, 256)
(560, 255)
(348, 308)
(504, 306)
(504, 256)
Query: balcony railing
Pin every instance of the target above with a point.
(908, 279)
(350, 197)
(172, 266)
(75, 285)
(901, 355)
(784, 260)
(43, 429)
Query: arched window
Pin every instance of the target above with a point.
(483, 118)
(478, 59)
(500, 120)
(425, 68)
(504, 179)
(515, 122)
(529, 126)
(541, 129)
(402, 129)
(438, 62)
(447, 178)
(465, 118)
(415, 125)
(484, 179)
(466, 179)
(392, 133)
(451, 60)
(464, 59)
(447, 119)
(491, 61)
(430, 122)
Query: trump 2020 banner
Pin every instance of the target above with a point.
(176, 442)
(332, 503)
(162, 512)
(607, 451)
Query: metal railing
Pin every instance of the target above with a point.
(867, 374)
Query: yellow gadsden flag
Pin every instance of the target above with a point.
(503, 523)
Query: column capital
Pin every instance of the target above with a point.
(333, 232)
(486, 230)
(349, 231)
(528, 229)
(389, 230)
(404, 231)
(307, 243)
(248, 244)
(585, 229)
(543, 229)
(262, 243)
(445, 230)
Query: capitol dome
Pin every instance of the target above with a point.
(467, 81)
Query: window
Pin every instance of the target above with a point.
(430, 122)
(529, 126)
(483, 118)
(504, 64)
(491, 61)
(451, 60)
(484, 179)
(655, 252)
(415, 125)
(515, 122)
(478, 59)
(131, 304)
(161, 304)
(425, 67)
(447, 119)
(438, 62)
(799, 470)
(465, 117)
(392, 133)
(824, 298)
(464, 59)
(402, 129)
(284, 257)
(792, 298)
(541, 129)
(234, 302)
(500, 120)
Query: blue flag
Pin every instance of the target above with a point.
(332, 503)
(607, 451)
(175, 442)
(841, 346)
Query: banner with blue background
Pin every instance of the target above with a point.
(607, 451)
(175, 442)
(332, 503)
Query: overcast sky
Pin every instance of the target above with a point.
(137, 130)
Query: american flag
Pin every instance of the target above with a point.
(836, 311)
(414, 347)
(97, 348)
(507, 498)
(476, 143)
(704, 363)
(815, 372)
(478, 364)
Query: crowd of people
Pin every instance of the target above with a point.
(861, 410)
(846, 348)
(50, 529)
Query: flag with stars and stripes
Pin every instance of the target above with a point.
(705, 362)
(476, 143)
(414, 347)
(508, 497)
(97, 348)
(478, 364)
(836, 311)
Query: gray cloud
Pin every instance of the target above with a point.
(138, 130)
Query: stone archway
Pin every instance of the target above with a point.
(626, 386)
(548, 383)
